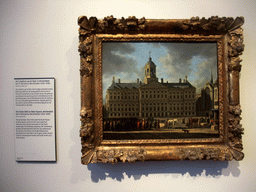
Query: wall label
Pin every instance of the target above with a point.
(35, 119)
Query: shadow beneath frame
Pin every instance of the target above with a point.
(136, 170)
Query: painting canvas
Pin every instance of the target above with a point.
(159, 90)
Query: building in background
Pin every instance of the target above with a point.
(207, 103)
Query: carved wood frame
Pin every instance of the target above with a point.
(228, 34)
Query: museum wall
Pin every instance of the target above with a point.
(40, 39)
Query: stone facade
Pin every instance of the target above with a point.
(150, 99)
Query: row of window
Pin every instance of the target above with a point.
(124, 93)
(123, 109)
(123, 114)
(151, 96)
(165, 96)
(123, 105)
(189, 92)
(158, 104)
(152, 108)
(163, 114)
(150, 92)
(166, 109)
(166, 114)
(123, 97)
(149, 104)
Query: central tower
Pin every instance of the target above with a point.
(150, 71)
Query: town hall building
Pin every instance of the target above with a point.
(150, 98)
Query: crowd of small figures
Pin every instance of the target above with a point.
(130, 124)
(134, 124)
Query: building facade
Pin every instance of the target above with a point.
(207, 103)
(150, 98)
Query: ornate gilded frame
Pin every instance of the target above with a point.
(228, 34)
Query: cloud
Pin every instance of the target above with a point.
(185, 51)
(203, 72)
(117, 58)
(174, 68)
(195, 60)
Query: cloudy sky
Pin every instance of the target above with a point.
(174, 60)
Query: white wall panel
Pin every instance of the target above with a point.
(40, 39)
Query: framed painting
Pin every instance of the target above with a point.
(160, 89)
